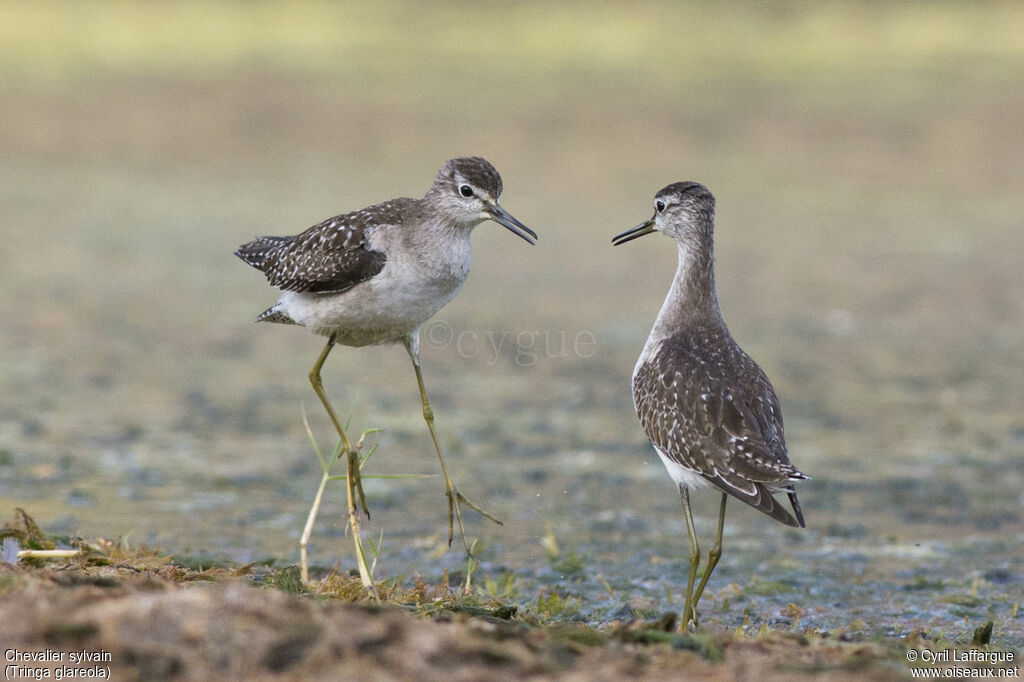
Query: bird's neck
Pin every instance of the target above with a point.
(692, 299)
(443, 246)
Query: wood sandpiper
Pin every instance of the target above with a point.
(374, 276)
(708, 409)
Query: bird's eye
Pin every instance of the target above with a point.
(466, 191)
(659, 206)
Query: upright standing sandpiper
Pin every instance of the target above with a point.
(708, 409)
(374, 276)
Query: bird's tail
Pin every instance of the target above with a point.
(255, 252)
(765, 502)
(796, 508)
(274, 314)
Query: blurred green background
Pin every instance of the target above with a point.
(868, 161)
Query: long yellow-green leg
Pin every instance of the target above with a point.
(713, 556)
(353, 482)
(690, 608)
(352, 465)
(455, 498)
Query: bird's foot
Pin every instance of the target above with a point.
(455, 502)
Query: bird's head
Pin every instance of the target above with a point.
(467, 190)
(684, 211)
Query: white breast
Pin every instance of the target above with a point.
(410, 289)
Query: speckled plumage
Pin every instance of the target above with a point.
(707, 407)
(377, 274)
(329, 258)
(374, 276)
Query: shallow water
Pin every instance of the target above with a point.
(868, 248)
(888, 549)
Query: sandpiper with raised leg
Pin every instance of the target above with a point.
(706, 406)
(374, 276)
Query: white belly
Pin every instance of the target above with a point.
(384, 309)
(680, 474)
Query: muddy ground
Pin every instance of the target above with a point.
(176, 624)
(112, 612)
